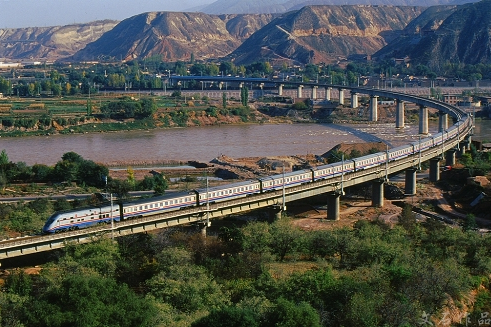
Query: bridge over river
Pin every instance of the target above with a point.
(450, 140)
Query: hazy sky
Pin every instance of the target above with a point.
(41, 13)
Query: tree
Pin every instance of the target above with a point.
(131, 176)
(257, 237)
(407, 218)
(101, 255)
(160, 184)
(228, 317)
(469, 223)
(289, 314)
(224, 100)
(4, 159)
(244, 96)
(121, 188)
(285, 238)
(87, 300)
(185, 286)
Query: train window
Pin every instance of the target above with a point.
(166, 203)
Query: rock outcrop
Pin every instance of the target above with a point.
(174, 36)
(326, 33)
(50, 43)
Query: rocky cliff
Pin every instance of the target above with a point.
(459, 34)
(175, 36)
(325, 33)
(280, 6)
(50, 43)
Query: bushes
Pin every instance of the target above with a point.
(127, 108)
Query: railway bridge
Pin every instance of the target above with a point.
(332, 187)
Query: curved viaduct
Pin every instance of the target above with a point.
(333, 187)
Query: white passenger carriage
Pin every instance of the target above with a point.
(158, 204)
(227, 192)
(370, 161)
(400, 152)
(290, 179)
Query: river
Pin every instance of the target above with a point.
(205, 143)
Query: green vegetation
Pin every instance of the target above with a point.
(369, 275)
(70, 171)
(261, 274)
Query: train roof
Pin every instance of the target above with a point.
(82, 208)
(289, 174)
(164, 197)
(227, 186)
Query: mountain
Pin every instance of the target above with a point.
(280, 6)
(175, 36)
(408, 41)
(460, 35)
(50, 43)
(325, 33)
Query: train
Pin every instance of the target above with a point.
(91, 216)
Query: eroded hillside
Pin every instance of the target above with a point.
(325, 33)
(50, 43)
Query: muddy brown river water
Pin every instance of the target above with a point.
(205, 143)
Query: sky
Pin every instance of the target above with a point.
(43, 13)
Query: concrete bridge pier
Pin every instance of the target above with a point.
(275, 212)
(328, 93)
(378, 193)
(314, 92)
(333, 205)
(450, 158)
(410, 181)
(461, 149)
(423, 120)
(341, 96)
(280, 89)
(400, 114)
(468, 139)
(354, 100)
(373, 108)
(299, 91)
(442, 121)
(203, 226)
(434, 169)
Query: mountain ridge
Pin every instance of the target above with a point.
(51, 43)
(325, 33)
(312, 34)
(281, 6)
